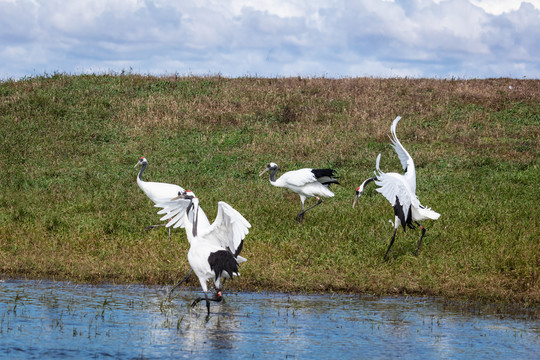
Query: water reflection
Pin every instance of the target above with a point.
(63, 320)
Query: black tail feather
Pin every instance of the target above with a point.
(223, 260)
(405, 220)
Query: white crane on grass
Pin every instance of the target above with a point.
(305, 182)
(214, 252)
(400, 191)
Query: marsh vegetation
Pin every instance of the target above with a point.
(70, 207)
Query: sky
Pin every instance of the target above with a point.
(272, 38)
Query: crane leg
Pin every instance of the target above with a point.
(421, 237)
(180, 282)
(391, 243)
(300, 216)
(199, 299)
(217, 298)
(207, 305)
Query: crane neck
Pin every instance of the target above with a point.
(144, 164)
(195, 220)
(367, 181)
(192, 217)
(273, 175)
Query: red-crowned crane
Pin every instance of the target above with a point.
(400, 191)
(214, 252)
(305, 182)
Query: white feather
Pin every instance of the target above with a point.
(402, 187)
(406, 160)
(304, 182)
(161, 194)
(228, 229)
(226, 233)
(175, 209)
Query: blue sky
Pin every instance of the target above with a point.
(272, 38)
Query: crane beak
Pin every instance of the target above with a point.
(183, 195)
(180, 196)
(265, 170)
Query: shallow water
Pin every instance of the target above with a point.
(62, 320)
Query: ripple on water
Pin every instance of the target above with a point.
(44, 319)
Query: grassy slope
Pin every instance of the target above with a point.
(70, 207)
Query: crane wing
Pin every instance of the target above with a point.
(406, 160)
(299, 177)
(394, 191)
(398, 192)
(174, 210)
(228, 229)
(404, 157)
(160, 192)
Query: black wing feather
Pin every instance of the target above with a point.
(325, 176)
(239, 249)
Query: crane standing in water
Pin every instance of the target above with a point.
(214, 252)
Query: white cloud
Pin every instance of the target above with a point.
(433, 38)
(498, 7)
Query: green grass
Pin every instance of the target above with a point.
(70, 207)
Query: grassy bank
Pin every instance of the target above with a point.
(70, 207)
